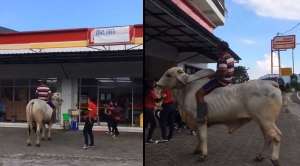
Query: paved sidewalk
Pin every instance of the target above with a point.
(238, 149)
(65, 149)
(101, 127)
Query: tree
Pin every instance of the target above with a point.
(240, 74)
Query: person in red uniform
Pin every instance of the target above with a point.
(222, 77)
(149, 110)
(167, 115)
(89, 118)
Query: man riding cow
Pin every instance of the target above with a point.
(43, 92)
(222, 77)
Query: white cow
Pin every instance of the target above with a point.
(232, 106)
(39, 113)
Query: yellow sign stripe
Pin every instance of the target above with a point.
(82, 43)
(137, 40)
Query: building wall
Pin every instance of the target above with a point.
(68, 75)
(72, 70)
(159, 57)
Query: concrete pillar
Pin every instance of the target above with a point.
(69, 89)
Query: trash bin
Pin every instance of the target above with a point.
(74, 125)
(74, 118)
(66, 123)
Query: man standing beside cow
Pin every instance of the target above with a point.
(167, 115)
(89, 120)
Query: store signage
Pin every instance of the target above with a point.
(136, 34)
(110, 35)
(286, 71)
(284, 42)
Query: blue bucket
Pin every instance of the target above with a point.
(74, 125)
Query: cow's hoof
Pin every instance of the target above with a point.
(49, 138)
(259, 158)
(203, 158)
(37, 145)
(28, 144)
(197, 151)
(287, 111)
(275, 162)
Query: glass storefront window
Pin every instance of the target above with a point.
(125, 92)
(15, 95)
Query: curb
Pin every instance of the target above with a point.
(59, 127)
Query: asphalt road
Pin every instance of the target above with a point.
(238, 149)
(65, 149)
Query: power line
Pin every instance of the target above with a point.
(289, 30)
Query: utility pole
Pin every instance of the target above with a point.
(271, 57)
(279, 63)
(293, 61)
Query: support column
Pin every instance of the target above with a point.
(69, 88)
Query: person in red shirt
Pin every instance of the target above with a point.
(167, 115)
(149, 109)
(92, 108)
(89, 118)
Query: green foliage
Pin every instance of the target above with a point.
(240, 74)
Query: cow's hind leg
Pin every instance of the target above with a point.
(275, 134)
(28, 134)
(38, 133)
(49, 131)
(267, 142)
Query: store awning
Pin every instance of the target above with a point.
(165, 22)
(71, 57)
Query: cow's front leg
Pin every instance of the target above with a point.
(203, 141)
(49, 131)
(38, 133)
(198, 149)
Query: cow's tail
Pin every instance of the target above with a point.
(29, 111)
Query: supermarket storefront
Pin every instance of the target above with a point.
(175, 37)
(102, 64)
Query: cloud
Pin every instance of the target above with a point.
(279, 9)
(263, 66)
(248, 41)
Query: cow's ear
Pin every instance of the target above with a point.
(179, 71)
(183, 78)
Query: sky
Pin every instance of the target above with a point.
(251, 24)
(30, 15)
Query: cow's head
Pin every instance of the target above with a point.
(56, 99)
(174, 77)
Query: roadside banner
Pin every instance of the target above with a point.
(283, 42)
